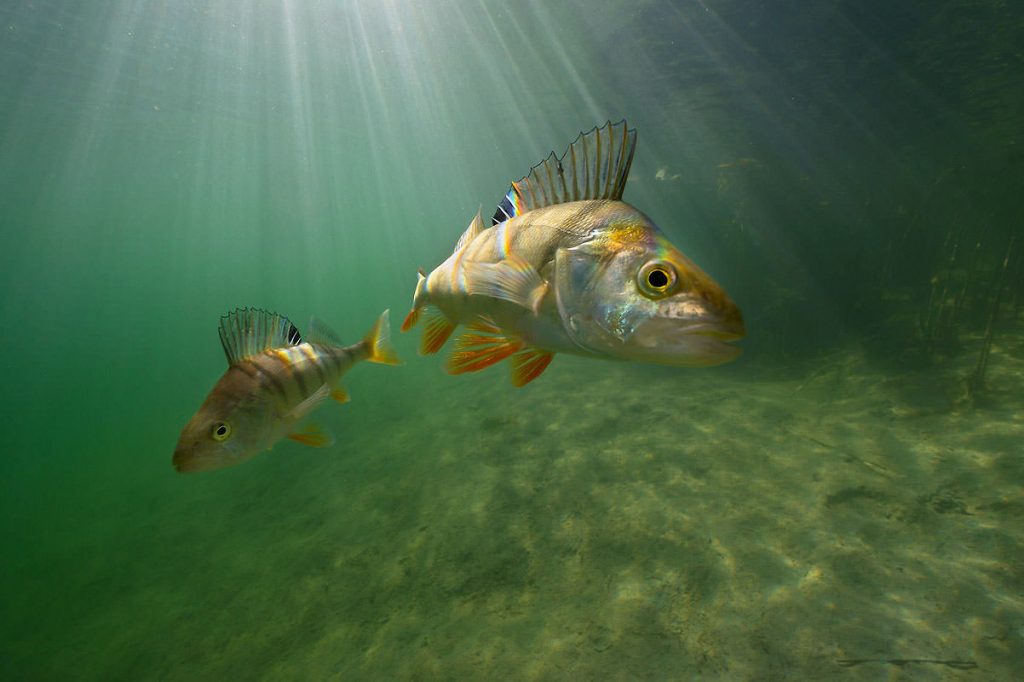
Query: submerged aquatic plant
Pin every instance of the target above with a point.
(976, 381)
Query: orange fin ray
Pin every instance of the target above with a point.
(436, 331)
(528, 364)
(476, 351)
(313, 436)
(411, 319)
(484, 324)
(378, 341)
(417, 302)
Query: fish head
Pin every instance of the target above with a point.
(222, 433)
(629, 293)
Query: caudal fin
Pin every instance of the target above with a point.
(378, 342)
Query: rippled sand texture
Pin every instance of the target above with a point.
(621, 522)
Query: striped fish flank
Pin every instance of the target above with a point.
(273, 381)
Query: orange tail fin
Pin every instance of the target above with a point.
(379, 341)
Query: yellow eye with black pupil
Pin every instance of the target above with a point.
(656, 279)
(221, 431)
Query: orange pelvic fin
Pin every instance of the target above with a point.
(528, 364)
(313, 436)
(339, 394)
(436, 331)
(482, 346)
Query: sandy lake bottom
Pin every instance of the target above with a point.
(830, 520)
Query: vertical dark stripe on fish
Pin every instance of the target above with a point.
(332, 357)
(285, 377)
(285, 358)
(264, 377)
(314, 357)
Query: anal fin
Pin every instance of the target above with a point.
(313, 436)
(437, 328)
(480, 347)
(528, 364)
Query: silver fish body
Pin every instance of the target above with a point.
(575, 271)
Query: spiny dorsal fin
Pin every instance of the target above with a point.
(322, 335)
(595, 166)
(475, 228)
(249, 331)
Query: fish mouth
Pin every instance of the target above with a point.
(713, 344)
(189, 466)
(714, 331)
(185, 462)
(700, 344)
(182, 464)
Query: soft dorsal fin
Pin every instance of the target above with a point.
(249, 331)
(475, 228)
(595, 166)
(322, 335)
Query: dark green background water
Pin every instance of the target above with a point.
(164, 162)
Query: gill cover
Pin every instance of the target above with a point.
(597, 297)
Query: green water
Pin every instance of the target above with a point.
(834, 505)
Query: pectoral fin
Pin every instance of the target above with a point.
(313, 436)
(513, 280)
(309, 404)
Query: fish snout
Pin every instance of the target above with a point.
(729, 325)
(692, 328)
(185, 460)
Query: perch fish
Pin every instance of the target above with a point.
(274, 379)
(566, 266)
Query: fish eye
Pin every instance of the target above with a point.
(656, 279)
(221, 431)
